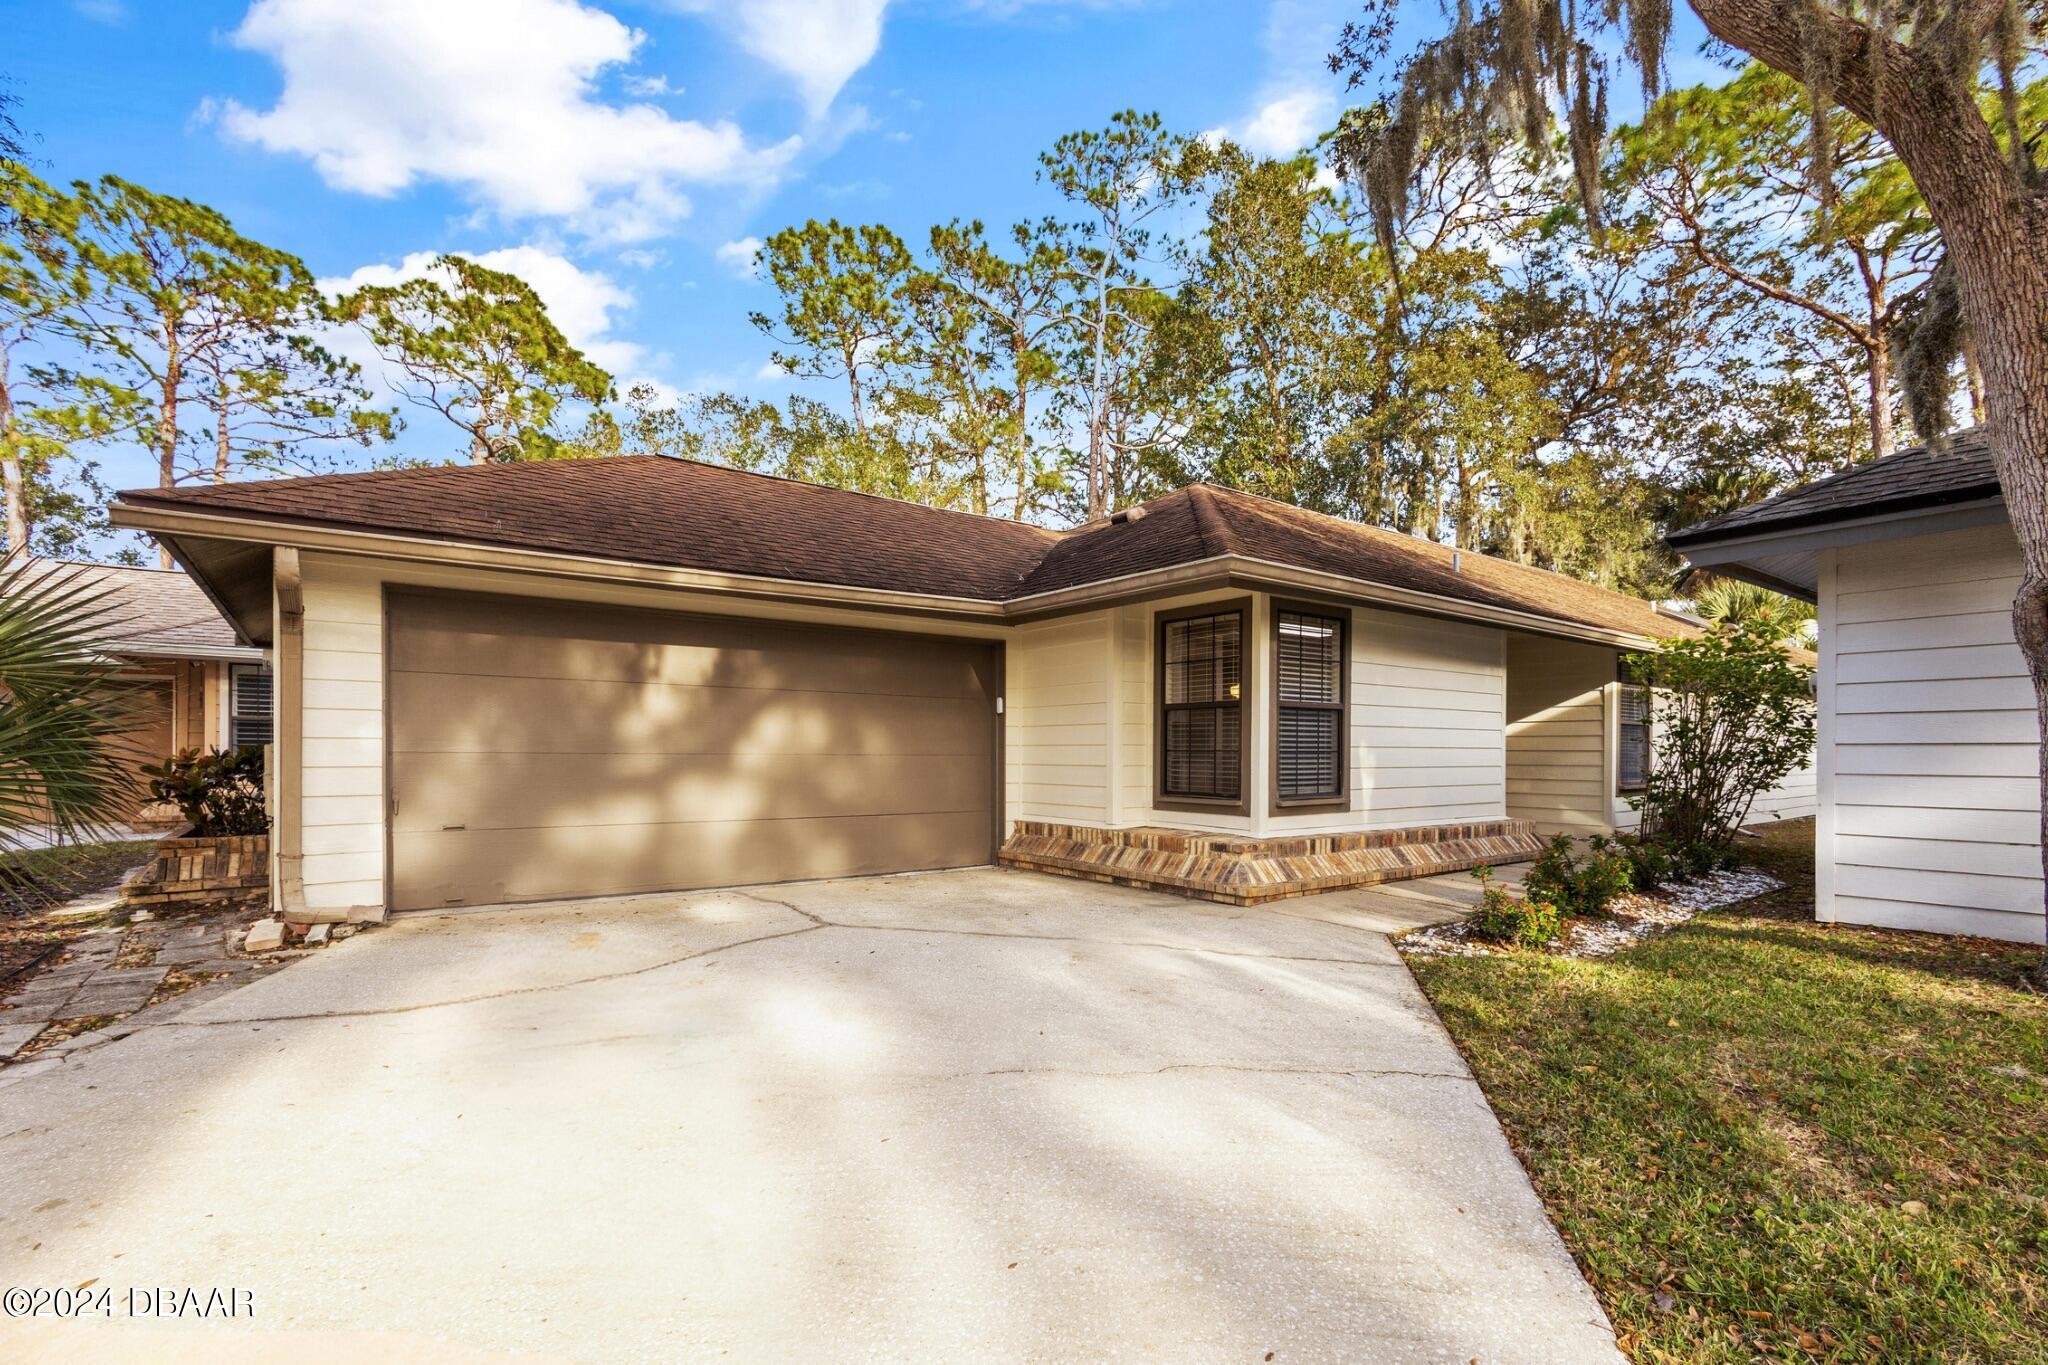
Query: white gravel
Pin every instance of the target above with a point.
(1635, 917)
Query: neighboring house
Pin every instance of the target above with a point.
(1930, 800)
(196, 685)
(546, 680)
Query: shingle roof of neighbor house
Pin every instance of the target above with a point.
(679, 513)
(1906, 480)
(155, 612)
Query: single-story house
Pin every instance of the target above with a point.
(1929, 796)
(196, 685)
(547, 680)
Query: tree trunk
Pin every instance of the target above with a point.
(11, 470)
(1880, 394)
(167, 427)
(223, 449)
(860, 417)
(1021, 456)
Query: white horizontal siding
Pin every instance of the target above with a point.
(1133, 702)
(1557, 735)
(1428, 722)
(1056, 732)
(1933, 806)
(342, 772)
(1793, 798)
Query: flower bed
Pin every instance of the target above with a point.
(1631, 917)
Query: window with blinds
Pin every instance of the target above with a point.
(1308, 682)
(1632, 769)
(1201, 686)
(249, 706)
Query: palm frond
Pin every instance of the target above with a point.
(66, 760)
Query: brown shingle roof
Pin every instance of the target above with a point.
(1204, 520)
(154, 612)
(651, 510)
(683, 514)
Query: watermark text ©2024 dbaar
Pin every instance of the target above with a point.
(91, 1300)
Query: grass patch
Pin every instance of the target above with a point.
(1767, 1137)
(38, 878)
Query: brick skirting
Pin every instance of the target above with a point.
(1244, 871)
(202, 870)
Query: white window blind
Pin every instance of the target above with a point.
(1632, 769)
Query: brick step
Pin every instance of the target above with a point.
(1237, 870)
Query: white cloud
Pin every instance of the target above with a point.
(647, 87)
(1288, 123)
(770, 370)
(738, 256)
(817, 44)
(114, 12)
(495, 96)
(584, 304)
(1297, 101)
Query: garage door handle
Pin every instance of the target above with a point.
(446, 828)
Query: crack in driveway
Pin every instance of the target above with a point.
(824, 923)
(816, 923)
(483, 996)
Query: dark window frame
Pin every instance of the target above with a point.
(1341, 800)
(234, 716)
(1161, 799)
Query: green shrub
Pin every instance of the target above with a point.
(1734, 715)
(221, 792)
(1503, 918)
(1650, 866)
(1580, 885)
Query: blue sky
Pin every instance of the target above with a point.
(621, 154)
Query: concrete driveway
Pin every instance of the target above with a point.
(965, 1116)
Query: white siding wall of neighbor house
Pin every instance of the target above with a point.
(1558, 769)
(1930, 809)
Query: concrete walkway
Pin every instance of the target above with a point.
(968, 1116)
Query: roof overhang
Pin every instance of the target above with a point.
(1787, 559)
(1239, 571)
(229, 557)
(129, 649)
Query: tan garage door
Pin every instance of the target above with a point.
(543, 750)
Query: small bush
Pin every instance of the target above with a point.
(1734, 715)
(1580, 885)
(1502, 918)
(1650, 866)
(221, 792)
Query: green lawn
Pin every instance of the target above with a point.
(35, 879)
(1766, 1138)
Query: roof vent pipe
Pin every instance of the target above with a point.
(1457, 561)
(1127, 514)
